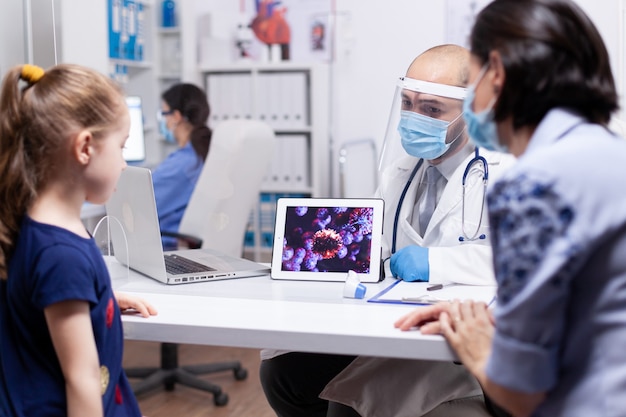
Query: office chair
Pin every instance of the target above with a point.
(357, 168)
(216, 217)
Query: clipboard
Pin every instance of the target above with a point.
(416, 293)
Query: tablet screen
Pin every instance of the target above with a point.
(323, 239)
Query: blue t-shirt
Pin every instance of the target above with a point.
(51, 265)
(174, 180)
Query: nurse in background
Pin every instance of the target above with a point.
(542, 88)
(183, 120)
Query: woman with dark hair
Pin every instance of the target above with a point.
(183, 120)
(542, 88)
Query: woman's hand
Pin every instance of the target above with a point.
(426, 318)
(131, 302)
(468, 327)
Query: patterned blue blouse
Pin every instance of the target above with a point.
(558, 220)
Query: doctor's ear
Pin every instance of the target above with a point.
(82, 147)
(498, 73)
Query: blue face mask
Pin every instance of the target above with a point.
(423, 136)
(481, 127)
(165, 132)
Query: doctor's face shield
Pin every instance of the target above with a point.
(425, 121)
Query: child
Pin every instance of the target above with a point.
(61, 137)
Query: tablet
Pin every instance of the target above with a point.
(321, 239)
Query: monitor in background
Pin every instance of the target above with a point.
(135, 149)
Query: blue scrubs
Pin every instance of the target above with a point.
(558, 221)
(174, 180)
(52, 265)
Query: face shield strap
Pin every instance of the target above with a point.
(460, 131)
(426, 87)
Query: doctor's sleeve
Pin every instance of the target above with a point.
(470, 264)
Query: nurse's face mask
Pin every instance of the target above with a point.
(164, 131)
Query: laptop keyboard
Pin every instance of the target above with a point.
(177, 265)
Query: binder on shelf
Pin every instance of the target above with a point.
(141, 33)
(230, 96)
(124, 37)
(115, 28)
(131, 29)
(289, 168)
(248, 240)
(213, 95)
(240, 96)
(271, 98)
(298, 148)
(273, 177)
(296, 108)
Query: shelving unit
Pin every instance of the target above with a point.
(292, 99)
(170, 70)
(156, 68)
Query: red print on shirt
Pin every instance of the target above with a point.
(118, 395)
(110, 314)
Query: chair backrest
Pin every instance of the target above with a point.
(229, 184)
(357, 168)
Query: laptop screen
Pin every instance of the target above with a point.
(135, 149)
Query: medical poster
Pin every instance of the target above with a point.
(289, 30)
(460, 15)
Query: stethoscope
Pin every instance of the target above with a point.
(477, 159)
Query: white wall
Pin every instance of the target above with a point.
(376, 43)
(81, 33)
(11, 34)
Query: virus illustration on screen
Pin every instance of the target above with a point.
(327, 239)
(327, 243)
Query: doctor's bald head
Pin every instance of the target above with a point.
(443, 64)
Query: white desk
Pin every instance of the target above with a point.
(263, 313)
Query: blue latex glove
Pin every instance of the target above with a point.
(410, 264)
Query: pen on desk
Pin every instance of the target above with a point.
(417, 300)
(436, 287)
(422, 300)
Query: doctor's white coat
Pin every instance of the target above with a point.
(467, 262)
(387, 387)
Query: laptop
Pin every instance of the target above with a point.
(321, 239)
(136, 239)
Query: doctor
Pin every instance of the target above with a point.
(440, 231)
(433, 180)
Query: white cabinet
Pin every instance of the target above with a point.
(170, 57)
(293, 99)
(168, 71)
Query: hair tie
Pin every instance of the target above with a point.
(32, 73)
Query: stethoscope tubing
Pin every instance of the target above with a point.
(464, 237)
(400, 201)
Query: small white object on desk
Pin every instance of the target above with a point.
(353, 287)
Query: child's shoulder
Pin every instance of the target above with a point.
(36, 239)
